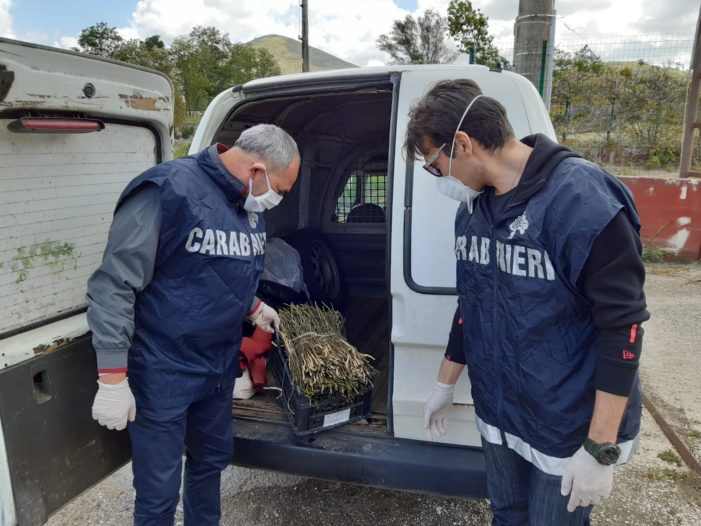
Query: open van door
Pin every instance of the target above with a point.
(424, 297)
(74, 130)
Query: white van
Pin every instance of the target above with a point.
(375, 237)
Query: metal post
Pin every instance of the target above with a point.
(691, 122)
(543, 63)
(548, 89)
(305, 36)
(472, 55)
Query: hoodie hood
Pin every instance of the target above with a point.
(544, 158)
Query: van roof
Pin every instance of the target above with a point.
(362, 72)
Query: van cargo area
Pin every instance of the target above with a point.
(340, 203)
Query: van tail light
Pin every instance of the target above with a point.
(55, 125)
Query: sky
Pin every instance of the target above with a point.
(345, 28)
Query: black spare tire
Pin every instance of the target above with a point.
(321, 272)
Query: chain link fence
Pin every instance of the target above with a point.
(618, 101)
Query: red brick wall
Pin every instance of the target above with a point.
(670, 210)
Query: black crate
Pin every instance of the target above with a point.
(309, 417)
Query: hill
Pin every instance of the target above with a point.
(288, 53)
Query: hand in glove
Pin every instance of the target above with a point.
(588, 481)
(113, 405)
(436, 410)
(266, 318)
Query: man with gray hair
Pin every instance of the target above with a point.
(166, 307)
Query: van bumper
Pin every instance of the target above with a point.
(362, 455)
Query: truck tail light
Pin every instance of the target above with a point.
(55, 125)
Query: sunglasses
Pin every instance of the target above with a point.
(428, 165)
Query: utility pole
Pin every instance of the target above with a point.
(691, 116)
(534, 43)
(305, 35)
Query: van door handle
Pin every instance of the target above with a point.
(42, 384)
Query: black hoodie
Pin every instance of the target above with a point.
(612, 278)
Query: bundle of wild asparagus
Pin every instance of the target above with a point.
(321, 361)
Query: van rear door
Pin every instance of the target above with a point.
(423, 262)
(74, 130)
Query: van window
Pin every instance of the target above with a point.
(364, 195)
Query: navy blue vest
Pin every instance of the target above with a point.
(529, 339)
(188, 320)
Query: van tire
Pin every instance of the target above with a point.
(321, 272)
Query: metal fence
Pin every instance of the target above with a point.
(618, 100)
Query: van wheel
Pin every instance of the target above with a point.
(321, 272)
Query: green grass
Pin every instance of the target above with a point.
(180, 149)
(666, 474)
(670, 457)
(653, 254)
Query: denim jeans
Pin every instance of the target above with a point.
(521, 494)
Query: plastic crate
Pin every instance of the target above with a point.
(309, 417)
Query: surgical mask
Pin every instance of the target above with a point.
(455, 189)
(260, 203)
(449, 185)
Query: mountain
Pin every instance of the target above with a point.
(288, 53)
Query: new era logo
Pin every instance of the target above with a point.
(627, 355)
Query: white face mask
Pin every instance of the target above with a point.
(260, 203)
(455, 189)
(449, 185)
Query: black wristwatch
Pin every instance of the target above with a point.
(606, 453)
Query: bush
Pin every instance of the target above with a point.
(186, 132)
(180, 149)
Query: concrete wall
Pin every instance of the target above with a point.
(670, 210)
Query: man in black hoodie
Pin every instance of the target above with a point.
(550, 288)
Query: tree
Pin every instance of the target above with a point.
(470, 29)
(149, 53)
(585, 60)
(100, 40)
(420, 41)
(207, 62)
(246, 63)
(653, 105)
(575, 81)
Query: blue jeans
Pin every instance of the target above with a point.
(521, 494)
(202, 431)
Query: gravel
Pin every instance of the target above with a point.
(670, 362)
(647, 491)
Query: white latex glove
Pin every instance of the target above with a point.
(588, 481)
(243, 387)
(113, 405)
(266, 318)
(436, 410)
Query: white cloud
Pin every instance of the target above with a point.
(349, 28)
(6, 19)
(128, 33)
(346, 29)
(66, 42)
